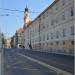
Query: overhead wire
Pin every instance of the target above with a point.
(4, 15)
(17, 10)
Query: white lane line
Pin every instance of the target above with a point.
(32, 69)
(46, 65)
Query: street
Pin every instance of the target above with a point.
(16, 63)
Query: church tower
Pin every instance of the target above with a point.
(26, 16)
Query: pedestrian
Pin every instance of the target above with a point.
(30, 46)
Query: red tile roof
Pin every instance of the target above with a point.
(20, 30)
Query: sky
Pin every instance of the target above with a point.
(9, 24)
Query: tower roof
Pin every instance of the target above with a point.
(26, 9)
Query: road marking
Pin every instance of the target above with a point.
(32, 69)
(57, 70)
(71, 67)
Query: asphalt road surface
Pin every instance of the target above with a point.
(14, 64)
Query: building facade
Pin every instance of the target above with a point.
(53, 29)
(1, 40)
(19, 38)
(8, 43)
(13, 43)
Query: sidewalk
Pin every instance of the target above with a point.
(0, 63)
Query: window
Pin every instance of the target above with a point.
(72, 11)
(43, 26)
(47, 36)
(51, 35)
(40, 38)
(52, 22)
(56, 19)
(43, 16)
(43, 38)
(72, 42)
(51, 43)
(63, 2)
(40, 27)
(63, 42)
(57, 43)
(20, 34)
(47, 44)
(43, 44)
(40, 19)
(72, 30)
(47, 25)
(64, 32)
(47, 13)
(57, 34)
(56, 6)
(63, 16)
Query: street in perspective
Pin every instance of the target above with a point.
(37, 37)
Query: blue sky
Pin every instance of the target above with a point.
(9, 24)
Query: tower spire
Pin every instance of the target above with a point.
(26, 5)
(26, 9)
(26, 16)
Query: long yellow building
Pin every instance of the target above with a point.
(53, 29)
